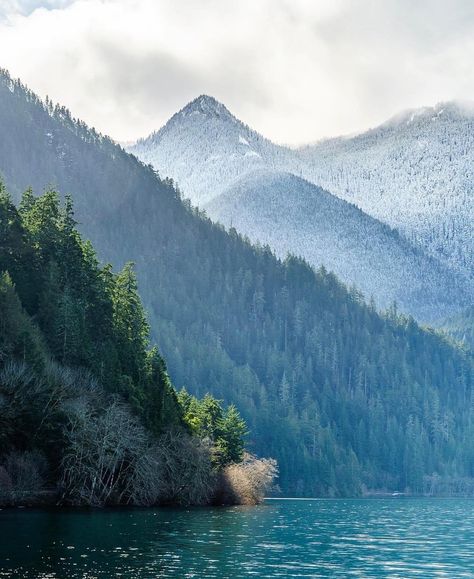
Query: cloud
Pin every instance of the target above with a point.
(10, 8)
(296, 70)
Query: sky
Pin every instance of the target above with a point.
(295, 70)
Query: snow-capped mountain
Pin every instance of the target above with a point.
(415, 172)
(397, 179)
(204, 148)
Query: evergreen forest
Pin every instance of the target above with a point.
(88, 412)
(346, 398)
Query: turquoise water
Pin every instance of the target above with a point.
(397, 538)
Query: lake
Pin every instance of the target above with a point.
(396, 538)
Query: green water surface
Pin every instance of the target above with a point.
(397, 538)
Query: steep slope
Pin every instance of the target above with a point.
(88, 411)
(340, 395)
(415, 172)
(204, 148)
(210, 153)
(293, 215)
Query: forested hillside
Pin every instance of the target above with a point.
(415, 172)
(227, 150)
(88, 413)
(295, 216)
(242, 179)
(340, 395)
(461, 327)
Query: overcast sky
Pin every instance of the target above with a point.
(295, 70)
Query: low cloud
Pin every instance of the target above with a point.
(296, 70)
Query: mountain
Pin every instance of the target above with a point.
(204, 148)
(343, 397)
(415, 172)
(273, 207)
(243, 179)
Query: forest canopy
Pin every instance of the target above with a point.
(88, 412)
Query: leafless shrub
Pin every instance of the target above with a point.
(22, 393)
(108, 457)
(101, 455)
(16, 384)
(147, 484)
(6, 485)
(19, 391)
(73, 382)
(246, 483)
(175, 470)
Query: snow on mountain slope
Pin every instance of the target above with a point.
(415, 172)
(293, 215)
(203, 148)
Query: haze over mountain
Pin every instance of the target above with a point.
(244, 180)
(293, 215)
(343, 397)
(415, 172)
(204, 148)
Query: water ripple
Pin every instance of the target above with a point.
(399, 538)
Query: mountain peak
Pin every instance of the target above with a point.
(206, 105)
(452, 110)
(201, 109)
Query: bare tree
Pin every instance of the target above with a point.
(6, 486)
(102, 451)
(177, 469)
(25, 472)
(108, 456)
(246, 483)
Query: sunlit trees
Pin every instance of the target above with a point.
(87, 408)
(247, 482)
(224, 428)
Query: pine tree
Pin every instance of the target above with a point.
(230, 441)
(130, 323)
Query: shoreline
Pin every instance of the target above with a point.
(45, 505)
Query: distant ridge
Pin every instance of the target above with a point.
(415, 172)
(233, 173)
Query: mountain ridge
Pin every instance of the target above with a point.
(207, 156)
(340, 395)
(414, 173)
(359, 249)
